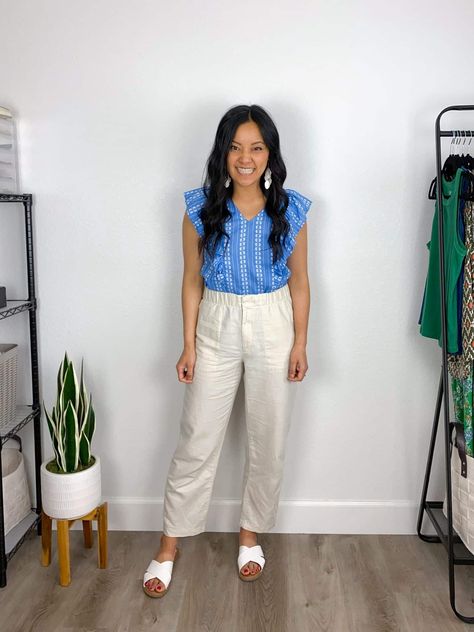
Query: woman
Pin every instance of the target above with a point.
(245, 300)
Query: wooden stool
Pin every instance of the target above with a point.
(99, 514)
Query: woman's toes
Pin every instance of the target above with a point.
(154, 584)
(251, 568)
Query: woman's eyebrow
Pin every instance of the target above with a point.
(257, 141)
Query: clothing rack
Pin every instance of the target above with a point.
(458, 554)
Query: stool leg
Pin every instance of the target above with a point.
(87, 530)
(63, 553)
(102, 528)
(45, 539)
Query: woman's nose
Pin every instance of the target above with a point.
(245, 157)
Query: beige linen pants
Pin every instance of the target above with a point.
(251, 334)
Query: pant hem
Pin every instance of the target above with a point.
(255, 530)
(183, 535)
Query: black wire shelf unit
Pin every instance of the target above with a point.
(458, 554)
(11, 542)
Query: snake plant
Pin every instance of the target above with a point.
(72, 421)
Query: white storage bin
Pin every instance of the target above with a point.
(462, 499)
(16, 494)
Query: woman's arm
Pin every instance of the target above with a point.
(191, 294)
(300, 296)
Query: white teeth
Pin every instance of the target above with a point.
(244, 171)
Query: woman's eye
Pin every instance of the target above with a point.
(234, 147)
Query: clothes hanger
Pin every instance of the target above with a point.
(451, 163)
(469, 160)
(455, 161)
(447, 168)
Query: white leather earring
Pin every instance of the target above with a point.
(268, 178)
(227, 182)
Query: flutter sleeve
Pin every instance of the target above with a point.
(194, 200)
(296, 213)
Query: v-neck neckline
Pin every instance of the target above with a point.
(243, 216)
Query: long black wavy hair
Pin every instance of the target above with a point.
(215, 212)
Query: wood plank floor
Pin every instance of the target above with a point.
(311, 583)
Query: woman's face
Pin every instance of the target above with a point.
(248, 155)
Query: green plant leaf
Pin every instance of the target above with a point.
(92, 425)
(53, 433)
(70, 390)
(90, 422)
(61, 375)
(71, 438)
(84, 450)
(86, 411)
(56, 430)
(62, 441)
(83, 409)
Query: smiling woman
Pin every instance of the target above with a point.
(245, 297)
(246, 162)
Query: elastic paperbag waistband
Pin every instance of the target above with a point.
(229, 298)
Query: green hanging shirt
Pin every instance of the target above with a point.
(454, 253)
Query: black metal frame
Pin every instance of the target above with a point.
(458, 554)
(25, 414)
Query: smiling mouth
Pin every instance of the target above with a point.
(245, 172)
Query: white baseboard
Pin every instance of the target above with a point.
(294, 516)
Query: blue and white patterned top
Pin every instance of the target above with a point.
(243, 264)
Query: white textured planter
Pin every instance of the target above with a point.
(70, 496)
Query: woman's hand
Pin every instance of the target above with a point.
(298, 364)
(185, 365)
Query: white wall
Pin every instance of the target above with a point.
(118, 104)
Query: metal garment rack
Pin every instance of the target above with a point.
(10, 543)
(458, 554)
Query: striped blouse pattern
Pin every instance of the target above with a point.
(243, 262)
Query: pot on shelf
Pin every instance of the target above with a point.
(71, 481)
(71, 495)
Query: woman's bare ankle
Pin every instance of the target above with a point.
(168, 542)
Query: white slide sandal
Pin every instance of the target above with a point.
(250, 554)
(162, 571)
